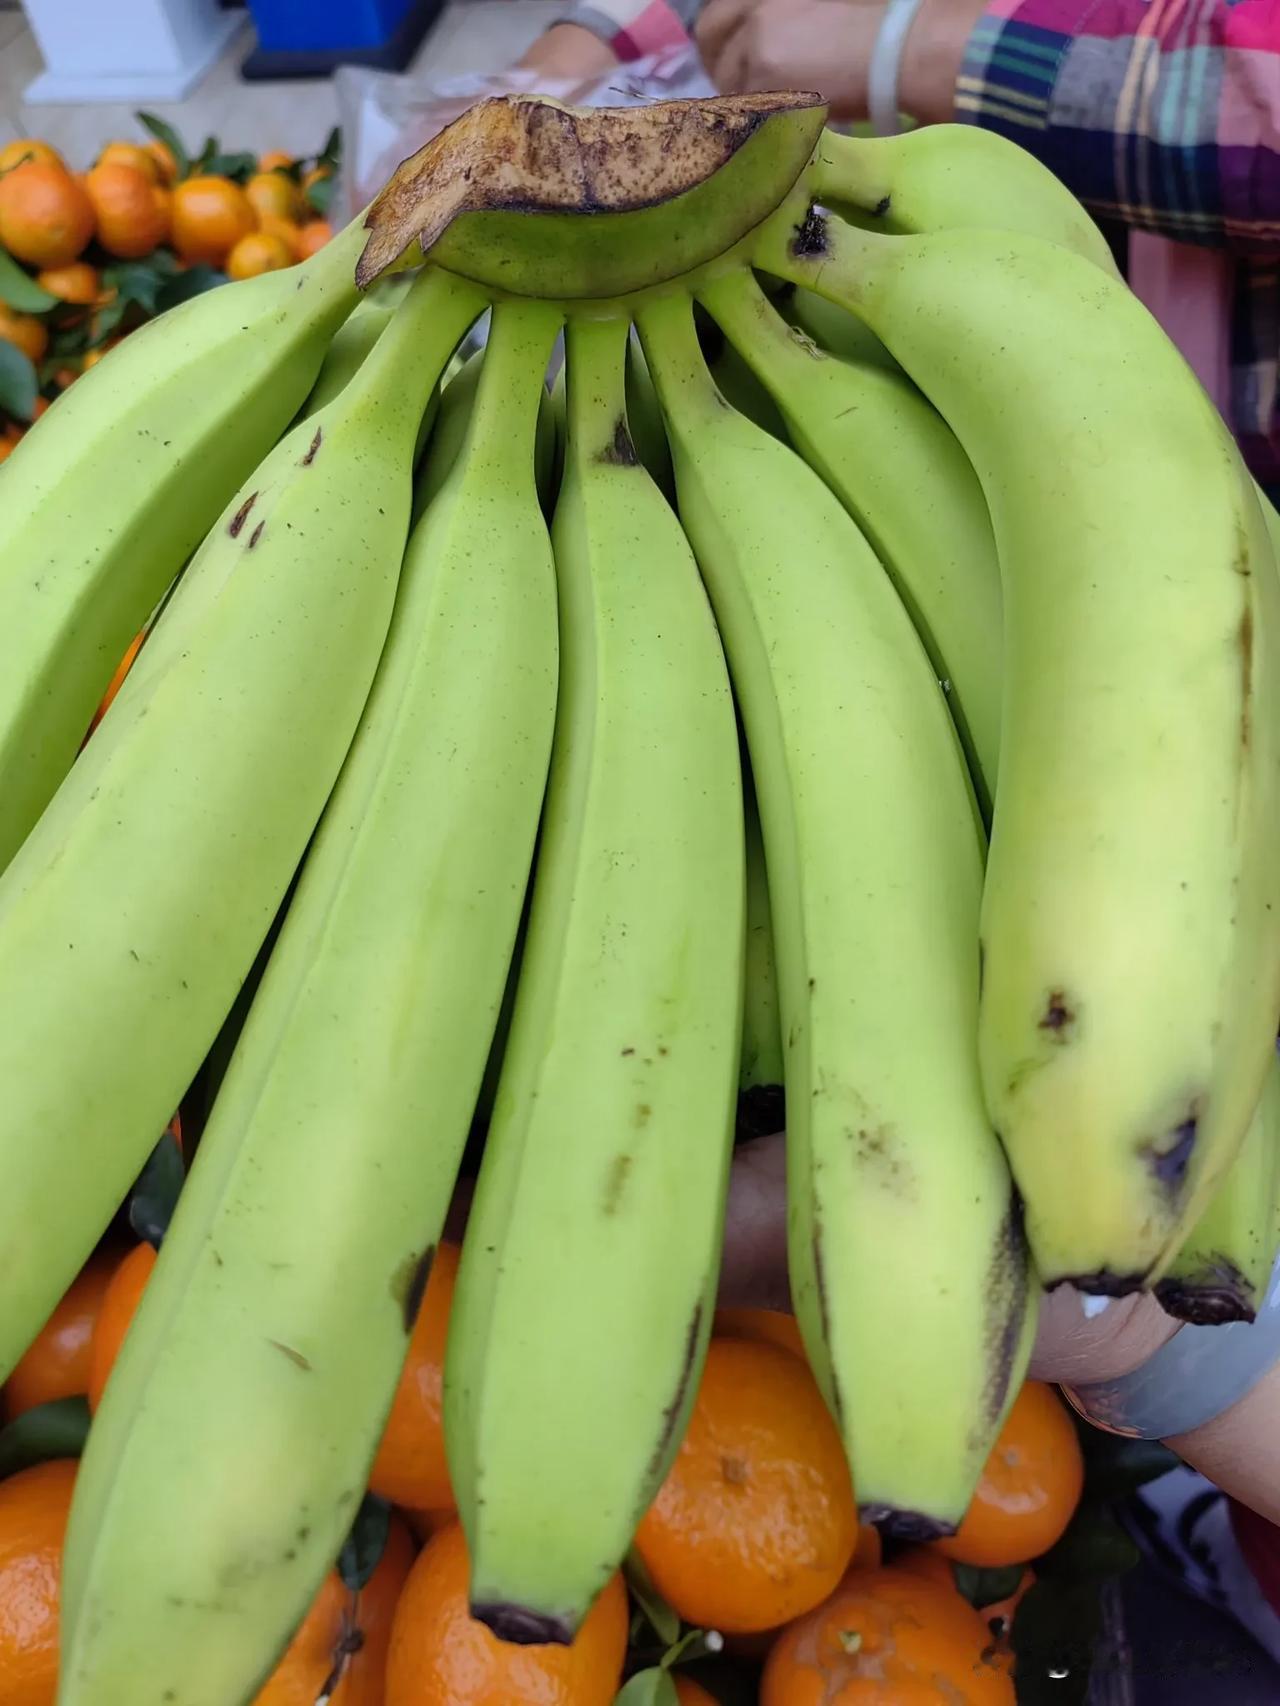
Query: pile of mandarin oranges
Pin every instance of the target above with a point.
(89, 255)
(752, 1546)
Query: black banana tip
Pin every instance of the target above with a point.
(1207, 1302)
(761, 1112)
(1100, 1283)
(908, 1528)
(522, 1627)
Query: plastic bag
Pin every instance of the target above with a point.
(386, 118)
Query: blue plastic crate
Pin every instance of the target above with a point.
(312, 40)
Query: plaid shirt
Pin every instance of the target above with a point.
(1162, 115)
(1165, 115)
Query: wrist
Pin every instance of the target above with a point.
(1239, 1450)
(934, 54)
(1075, 1349)
(568, 51)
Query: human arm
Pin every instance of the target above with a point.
(1165, 118)
(594, 35)
(825, 45)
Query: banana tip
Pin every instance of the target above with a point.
(522, 1627)
(1207, 1304)
(914, 1528)
(1102, 1282)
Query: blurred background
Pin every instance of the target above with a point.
(258, 77)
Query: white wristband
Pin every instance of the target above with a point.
(886, 66)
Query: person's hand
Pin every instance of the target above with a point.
(818, 45)
(825, 46)
(567, 53)
(1069, 1346)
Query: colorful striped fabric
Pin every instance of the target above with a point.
(1164, 115)
(635, 28)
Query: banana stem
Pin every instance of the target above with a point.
(743, 312)
(676, 363)
(826, 254)
(596, 369)
(510, 389)
(845, 169)
(424, 331)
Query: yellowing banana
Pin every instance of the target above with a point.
(908, 1265)
(1131, 919)
(589, 1267)
(1221, 1271)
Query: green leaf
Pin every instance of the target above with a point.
(694, 1644)
(18, 385)
(1094, 1548)
(648, 1688)
(320, 196)
(664, 1622)
(986, 1587)
(105, 321)
(212, 148)
(141, 281)
(168, 135)
(155, 1196)
(69, 340)
(51, 1430)
(1054, 1638)
(364, 1546)
(331, 153)
(238, 167)
(194, 282)
(1116, 1467)
(20, 290)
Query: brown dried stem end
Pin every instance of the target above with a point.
(584, 175)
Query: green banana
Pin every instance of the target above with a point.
(256, 1379)
(896, 466)
(738, 381)
(644, 416)
(449, 433)
(99, 513)
(834, 329)
(134, 909)
(588, 1274)
(908, 1264)
(351, 345)
(1131, 920)
(353, 340)
(1222, 1270)
(943, 177)
(450, 421)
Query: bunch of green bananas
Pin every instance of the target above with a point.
(655, 725)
